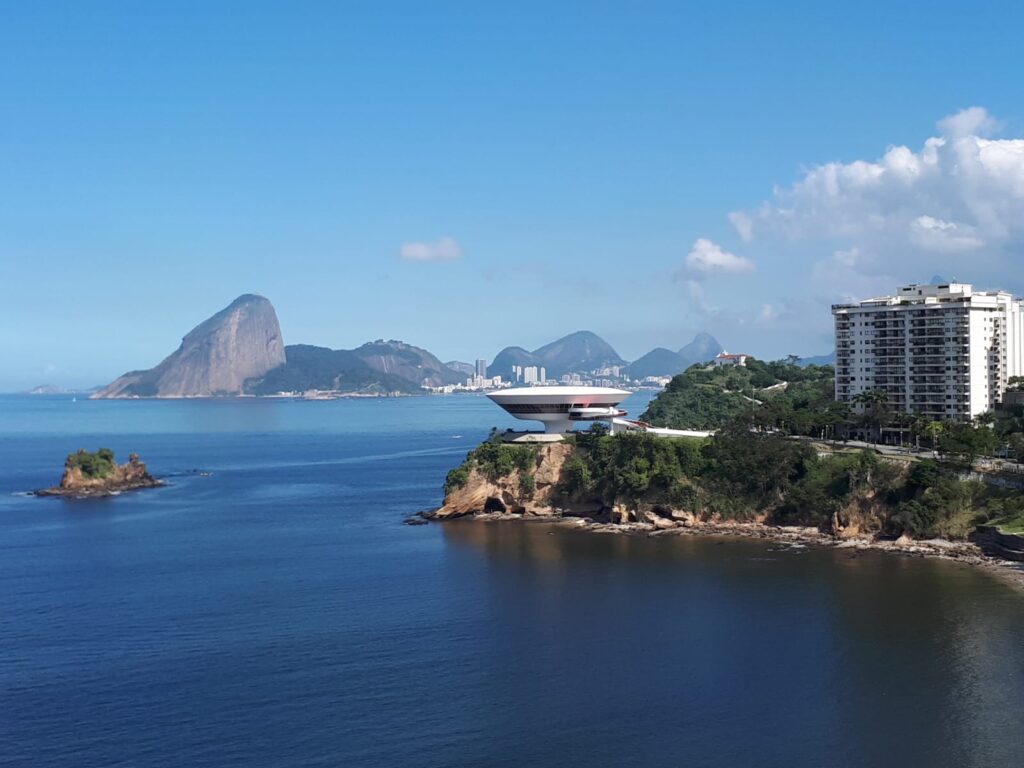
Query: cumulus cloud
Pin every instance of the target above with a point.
(960, 193)
(973, 121)
(707, 258)
(445, 249)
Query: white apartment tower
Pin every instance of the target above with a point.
(944, 351)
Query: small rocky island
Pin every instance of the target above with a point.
(90, 474)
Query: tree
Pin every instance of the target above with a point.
(1016, 442)
(965, 442)
(934, 430)
(986, 419)
(874, 403)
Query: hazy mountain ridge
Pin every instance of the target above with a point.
(574, 352)
(661, 361)
(461, 368)
(309, 367)
(407, 362)
(240, 350)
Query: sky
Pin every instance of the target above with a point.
(466, 176)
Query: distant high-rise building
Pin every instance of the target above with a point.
(944, 351)
(481, 367)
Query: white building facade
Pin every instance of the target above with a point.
(944, 351)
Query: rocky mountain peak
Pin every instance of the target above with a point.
(240, 342)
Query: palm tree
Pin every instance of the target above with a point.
(934, 430)
(986, 419)
(874, 402)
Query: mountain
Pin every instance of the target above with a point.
(579, 351)
(308, 367)
(396, 358)
(461, 368)
(52, 389)
(657, 362)
(665, 362)
(829, 359)
(703, 348)
(240, 342)
(504, 361)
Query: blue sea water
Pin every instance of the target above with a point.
(277, 612)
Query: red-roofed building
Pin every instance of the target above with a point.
(724, 358)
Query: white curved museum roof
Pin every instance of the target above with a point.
(554, 394)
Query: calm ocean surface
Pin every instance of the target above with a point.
(278, 613)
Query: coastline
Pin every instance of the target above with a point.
(967, 553)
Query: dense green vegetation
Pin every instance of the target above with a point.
(739, 474)
(93, 465)
(495, 459)
(785, 398)
(776, 395)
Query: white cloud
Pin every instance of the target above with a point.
(744, 225)
(973, 121)
(707, 258)
(959, 193)
(445, 249)
(937, 235)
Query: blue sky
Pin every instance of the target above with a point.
(644, 170)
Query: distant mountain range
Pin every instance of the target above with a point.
(829, 359)
(664, 362)
(579, 351)
(240, 351)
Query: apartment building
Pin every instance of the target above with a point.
(945, 351)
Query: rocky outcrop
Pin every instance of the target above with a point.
(480, 494)
(77, 483)
(243, 341)
(995, 543)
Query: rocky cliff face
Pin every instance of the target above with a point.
(507, 494)
(242, 341)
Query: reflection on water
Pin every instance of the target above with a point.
(922, 659)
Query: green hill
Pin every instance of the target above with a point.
(705, 397)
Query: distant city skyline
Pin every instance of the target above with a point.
(468, 177)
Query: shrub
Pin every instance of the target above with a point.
(527, 484)
(456, 478)
(92, 465)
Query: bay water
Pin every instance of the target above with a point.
(270, 608)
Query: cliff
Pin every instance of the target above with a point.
(243, 341)
(482, 491)
(735, 479)
(97, 474)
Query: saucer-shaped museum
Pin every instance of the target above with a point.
(560, 407)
